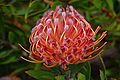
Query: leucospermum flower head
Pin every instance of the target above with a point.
(63, 37)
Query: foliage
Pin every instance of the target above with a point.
(18, 17)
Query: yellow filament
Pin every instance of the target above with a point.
(96, 49)
(97, 41)
(44, 29)
(35, 61)
(50, 65)
(33, 47)
(87, 24)
(62, 35)
(97, 29)
(76, 31)
(102, 36)
(63, 32)
(30, 39)
(46, 41)
(82, 27)
(23, 48)
(84, 60)
(54, 30)
(94, 56)
(81, 61)
(84, 32)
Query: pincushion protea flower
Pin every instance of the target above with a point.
(63, 37)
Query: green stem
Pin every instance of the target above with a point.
(67, 74)
(104, 68)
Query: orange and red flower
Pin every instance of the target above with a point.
(63, 37)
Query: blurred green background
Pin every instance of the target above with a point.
(18, 17)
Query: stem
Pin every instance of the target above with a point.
(104, 68)
(67, 74)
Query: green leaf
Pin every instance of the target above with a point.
(38, 12)
(60, 77)
(10, 60)
(18, 70)
(6, 10)
(5, 53)
(118, 27)
(104, 68)
(81, 76)
(97, 4)
(21, 11)
(40, 75)
(75, 69)
(28, 10)
(12, 8)
(87, 15)
(12, 37)
(38, 66)
(116, 34)
(83, 68)
(86, 70)
(110, 4)
(102, 77)
(75, 2)
(72, 1)
(55, 4)
(89, 70)
(109, 72)
(27, 27)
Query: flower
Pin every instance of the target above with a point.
(63, 37)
